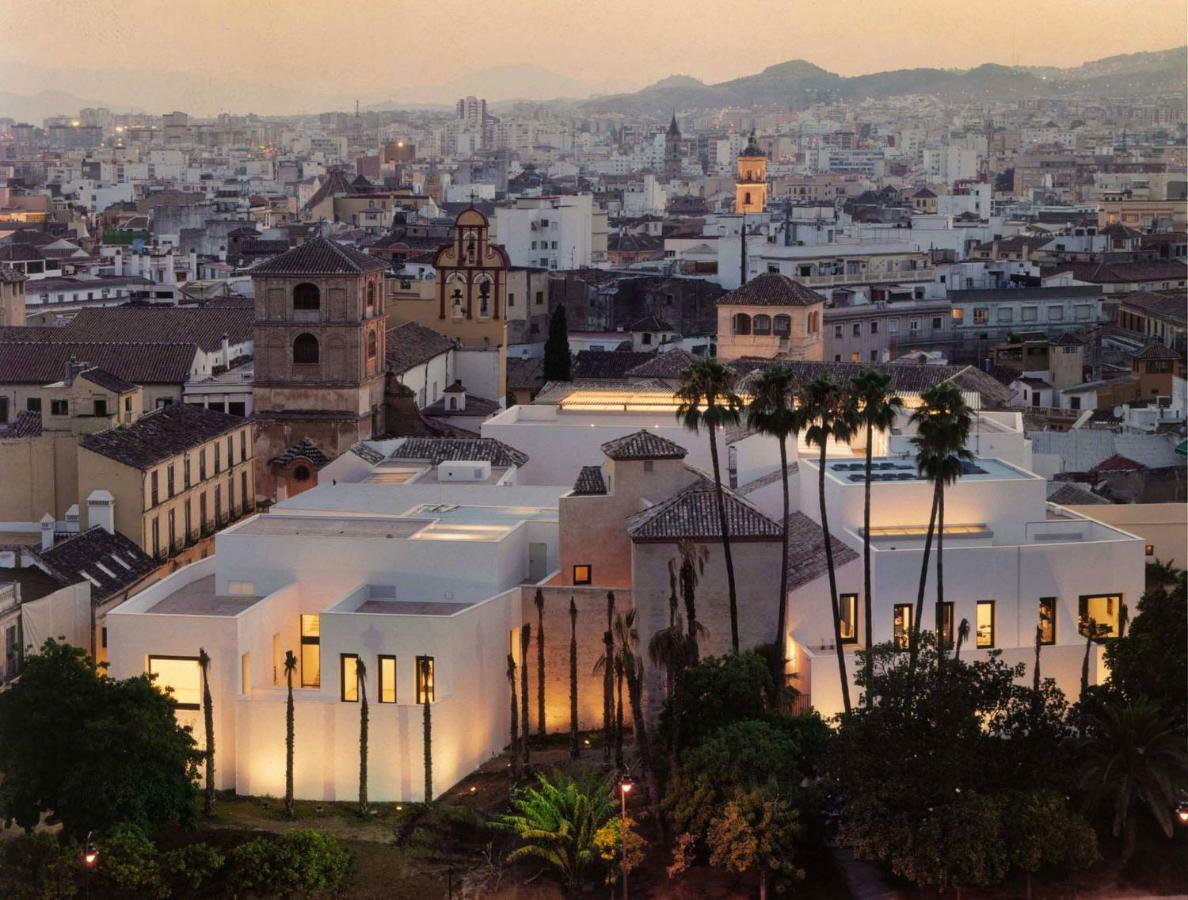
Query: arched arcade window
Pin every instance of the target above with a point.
(307, 296)
(305, 350)
(782, 325)
(742, 323)
(762, 324)
(372, 345)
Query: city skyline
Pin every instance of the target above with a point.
(223, 59)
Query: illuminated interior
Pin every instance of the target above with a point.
(387, 679)
(1103, 610)
(349, 666)
(425, 679)
(920, 531)
(182, 675)
(985, 624)
(311, 651)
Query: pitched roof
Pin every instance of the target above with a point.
(1117, 463)
(607, 363)
(27, 423)
(669, 364)
(693, 513)
(11, 275)
(44, 362)
(201, 325)
(303, 449)
(650, 323)
(525, 374)
(412, 344)
(806, 551)
(105, 379)
(1082, 449)
(589, 482)
(439, 450)
(111, 562)
(1123, 272)
(1155, 349)
(1070, 493)
(160, 434)
(336, 183)
(771, 289)
(1162, 305)
(320, 256)
(643, 444)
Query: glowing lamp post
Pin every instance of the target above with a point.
(625, 786)
(1182, 812)
(90, 858)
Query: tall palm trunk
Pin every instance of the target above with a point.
(525, 642)
(841, 655)
(514, 746)
(361, 674)
(289, 742)
(574, 748)
(540, 663)
(781, 642)
(867, 600)
(643, 745)
(427, 730)
(721, 498)
(918, 618)
(618, 664)
(940, 574)
(208, 803)
(689, 593)
(1090, 631)
(608, 680)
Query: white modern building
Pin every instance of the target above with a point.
(555, 232)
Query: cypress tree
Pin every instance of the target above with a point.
(556, 350)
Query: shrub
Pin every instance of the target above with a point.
(38, 867)
(190, 871)
(128, 863)
(298, 862)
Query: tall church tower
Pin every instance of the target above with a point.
(672, 151)
(320, 335)
(750, 192)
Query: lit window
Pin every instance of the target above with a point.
(947, 624)
(902, 626)
(387, 679)
(985, 624)
(1149, 550)
(425, 679)
(1047, 620)
(582, 574)
(348, 669)
(848, 626)
(1103, 611)
(179, 676)
(311, 651)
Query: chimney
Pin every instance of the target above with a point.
(101, 510)
(455, 397)
(73, 368)
(226, 350)
(47, 531)
(119, 262)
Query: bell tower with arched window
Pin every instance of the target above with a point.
(750, 192)
(319, 336)
(472, 284)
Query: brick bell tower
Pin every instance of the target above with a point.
(319, 360)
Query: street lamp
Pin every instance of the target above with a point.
(1182, 812)
(625, 786)
(90, 857)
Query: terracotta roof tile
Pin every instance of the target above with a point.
(771, 289)
(45, 362)
(411, 344)
(439, 450)
(589, 482)
(160, 434)
(26, 424)
(303, 449)
(320, 256)
(693, 513)
(643, 445)
(806, 551)
(111, 562)
(607, 363)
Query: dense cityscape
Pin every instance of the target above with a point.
(710, 488)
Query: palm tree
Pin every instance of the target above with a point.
(361, 678)
(525, 643)
(515, 715)
(540, 662)
(290, 667)
(692, 566)
(877, 409)
(828, 411)
(557, 821)
(608, 679)
(1134, 759)
(669, 650)
(574, 748)
(618, 664)
(208, 802)
(427, 731)
(706, 397)
(771, 412)
(943, 422)
(632, 667)
(962, 637)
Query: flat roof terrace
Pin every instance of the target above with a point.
(275, 525)
(198, 598)
(411, 608)
(886, 469)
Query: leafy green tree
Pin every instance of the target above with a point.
(1133, 762)
(827, 409)
(37, 866)
(771, 412)
(718, 691)
(706, 398)
(1041, 831)
(609, 839)
(361, 680)
(557, 358)
(877, 407)
(756, 830)
(557, 822)
(538, 599)
(208, 799)
(90, 749)
(290, 667)
(574, 746)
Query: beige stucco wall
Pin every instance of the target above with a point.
(1163, 525)
(800, 343)
(38, 476)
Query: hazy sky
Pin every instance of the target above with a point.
(150, 50)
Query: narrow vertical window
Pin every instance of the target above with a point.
(1047, 620)
(425, 679)
(311, 651)
(387, 679)
(901, 625)
(849, 619)
(947, 624)
(985, 624)
(348, 668)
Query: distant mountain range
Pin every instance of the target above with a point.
(798, 82)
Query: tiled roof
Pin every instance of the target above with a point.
(669, 364)
(111, 562)
(525, 374)
(1082, 449)
(336, 183)
(643, 445)
(1117, 463)
(589, 482)
(806, 551)
(303, 449)
(1163, 305)
(1073, 494)
(439, 450)
(105, 379)
(607, 363)
(904, 376)
(771, 289)
(412, 344)
(160, 434)
(320, 256)
(693, 513)
(201, 325)
(1156, 350)
(1123, 272)
(476, 407)
(11, 275)
(26, 424)
(367, 453)
(45, 362)
(650, 323)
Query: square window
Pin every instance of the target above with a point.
(387, 679)
(985, 624)
(59, 407)
(1103, 610)
(180, 674)
(582, 574)
(849, 618)
(1149, 550)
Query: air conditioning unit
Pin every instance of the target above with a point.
(464, 470)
